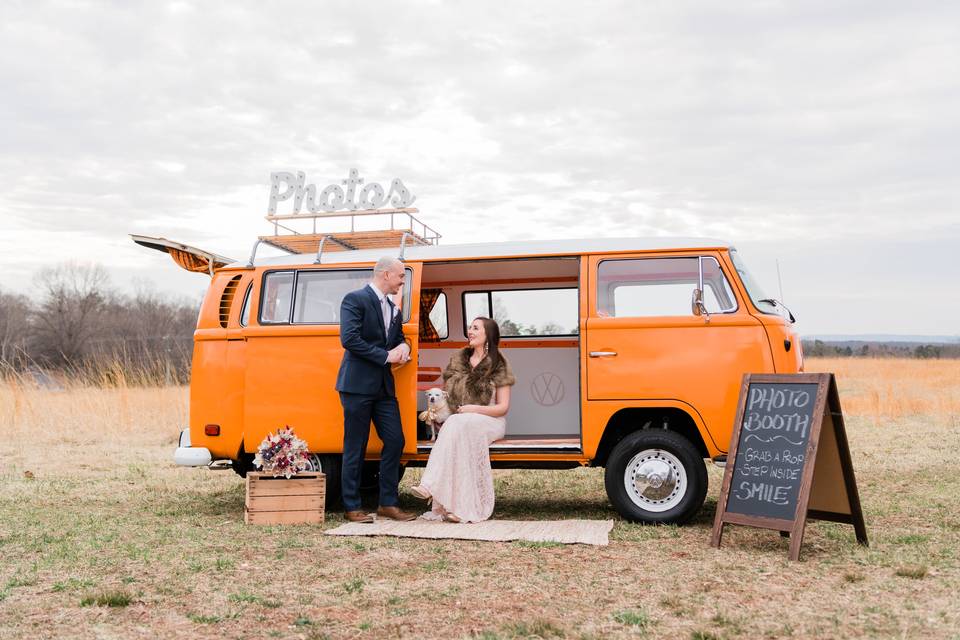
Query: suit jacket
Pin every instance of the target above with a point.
(363, 368)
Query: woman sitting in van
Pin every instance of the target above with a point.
(458, 479)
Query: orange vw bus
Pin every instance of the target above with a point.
(628, 353)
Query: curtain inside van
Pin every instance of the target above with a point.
(428, 298)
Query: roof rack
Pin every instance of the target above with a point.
(406, 231)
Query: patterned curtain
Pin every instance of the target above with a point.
(428, 298)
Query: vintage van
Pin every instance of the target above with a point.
(628, 353)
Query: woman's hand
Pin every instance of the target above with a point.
(468, 408)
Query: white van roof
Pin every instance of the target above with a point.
(512, 249)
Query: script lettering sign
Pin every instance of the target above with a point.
(788, 459)
(285, 185)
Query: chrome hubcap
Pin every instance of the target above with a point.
(313, 463)
(655, 480)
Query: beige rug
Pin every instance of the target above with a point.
(564, 531)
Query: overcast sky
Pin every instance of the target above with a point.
(821, 134)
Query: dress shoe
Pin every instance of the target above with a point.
(395, 513)
(358, 516)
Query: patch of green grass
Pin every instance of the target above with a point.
(704, 635)
(435, 565)
(540, 544)
(915, 571)
(723, 621)
(635, 532)
(535, 629)
(224, 564)
(303, 621)
(71, 584)
(107, 599)
(353, 585)
(912, 538)
(204, 619)
(292, 543)
(853, 576)
(633, 618)
(397, 606)
(249, 598)
(21, 581)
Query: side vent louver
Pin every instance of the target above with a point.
(227, 299)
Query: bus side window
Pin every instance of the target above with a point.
(245, 310)
(651, 287)
(276, 297)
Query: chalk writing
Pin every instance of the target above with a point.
(774, 433)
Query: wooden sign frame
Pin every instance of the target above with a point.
(822, 478)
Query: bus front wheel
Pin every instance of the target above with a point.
(657, 477)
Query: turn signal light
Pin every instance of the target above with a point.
(212, 429)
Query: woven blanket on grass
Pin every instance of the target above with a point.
(564, 531)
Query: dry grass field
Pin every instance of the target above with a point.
(102, 537)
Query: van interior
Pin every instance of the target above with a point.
(536, 304)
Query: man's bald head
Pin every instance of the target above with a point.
(386, 263)
(388, 275)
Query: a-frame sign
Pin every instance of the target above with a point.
(788, 460)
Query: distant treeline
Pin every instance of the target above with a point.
(79, 325)
(856, 348)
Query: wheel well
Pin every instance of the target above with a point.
(627, 421)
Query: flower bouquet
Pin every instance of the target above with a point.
(282, 454)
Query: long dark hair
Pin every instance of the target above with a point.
(492, 331)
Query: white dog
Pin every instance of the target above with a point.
(437, 410)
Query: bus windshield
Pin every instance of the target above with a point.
(761, 300)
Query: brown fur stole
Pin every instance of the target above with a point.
(474, 385)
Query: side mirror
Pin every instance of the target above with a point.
(697, 306)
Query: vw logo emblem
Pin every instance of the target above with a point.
(547, 389)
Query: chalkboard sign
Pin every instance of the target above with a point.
(788, 459)
(774, 434)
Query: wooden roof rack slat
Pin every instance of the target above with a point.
(398, 236)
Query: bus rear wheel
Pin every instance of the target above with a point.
(329, 466)
(656, 477)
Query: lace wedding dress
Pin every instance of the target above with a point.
(458, 473)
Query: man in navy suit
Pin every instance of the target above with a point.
(372, 337)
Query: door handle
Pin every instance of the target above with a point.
(602, 354)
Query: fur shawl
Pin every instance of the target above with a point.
(474, 385)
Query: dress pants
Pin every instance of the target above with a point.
(358, 410)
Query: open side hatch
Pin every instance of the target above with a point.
(187, 257)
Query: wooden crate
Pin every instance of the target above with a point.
(277, 500)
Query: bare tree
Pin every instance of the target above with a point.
(68, 316)
(14, 327)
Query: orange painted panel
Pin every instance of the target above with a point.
(291, 381)
(687, 360)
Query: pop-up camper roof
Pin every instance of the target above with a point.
(187, 257)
